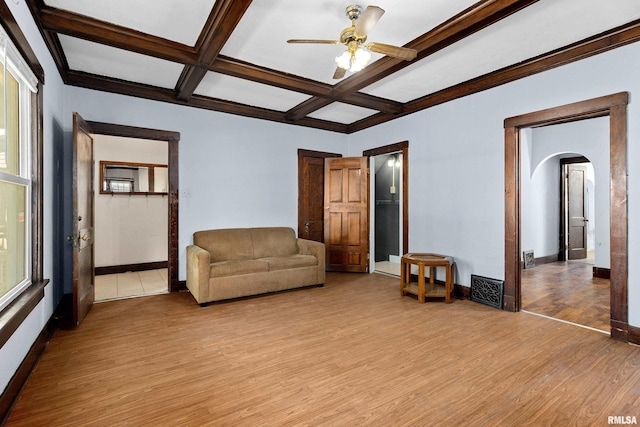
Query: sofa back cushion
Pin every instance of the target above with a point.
(273, 242)
(225, 244)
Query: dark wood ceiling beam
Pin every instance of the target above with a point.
(309, 106)
(475, 18)
(90, 29)
(244, 70)
(224, 17)
(123, 87)
(617, 37)
(86, 28)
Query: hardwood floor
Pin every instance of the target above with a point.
(352, 353)
(567, 291)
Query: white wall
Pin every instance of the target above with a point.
(129, 229)
(456, 161)
(540, 206)
(589, 138)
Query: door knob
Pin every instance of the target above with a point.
(84, 237)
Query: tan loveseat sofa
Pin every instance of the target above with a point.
(232, 263)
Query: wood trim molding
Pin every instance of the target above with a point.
(145, 266)
(224, 17)
(15, 313)
(609, 40)
(205, 57)
(467, 22)
(20, 41)
(615, 106)
(86, 28)
(544, 260)
(602, 273)
(173, 139)
(244, 70)
(634, 335)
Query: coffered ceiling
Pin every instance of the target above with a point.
(232, 55)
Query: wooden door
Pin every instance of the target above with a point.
(311, 194)
(346, 216)
(83, 255)
(577, 221)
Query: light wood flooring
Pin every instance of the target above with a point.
(351, 353)
(567, 291)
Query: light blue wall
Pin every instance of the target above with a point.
(234, 171)
(456, 161)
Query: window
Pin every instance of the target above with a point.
(17, 83)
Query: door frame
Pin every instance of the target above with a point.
(615, 107)
(394, 148)
(172, 139)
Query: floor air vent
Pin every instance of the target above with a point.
(487, 291)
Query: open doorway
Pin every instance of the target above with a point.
(387, 212)
(166, 240)
(389, 233)
(130, 217)
(615, 108)
(559, 195)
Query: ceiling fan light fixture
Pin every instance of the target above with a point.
(344, 60)
(353, 60)
(360, 59)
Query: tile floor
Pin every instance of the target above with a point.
(388, 267)
(131, 284)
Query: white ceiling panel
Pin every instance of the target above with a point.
(121, 64)
(540, 28)
(247, 92)
(342, 113)
(175, 20)
(260, 37)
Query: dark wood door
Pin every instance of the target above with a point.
(83, 252)
(346, 216)
(311, 194)
(577, 221)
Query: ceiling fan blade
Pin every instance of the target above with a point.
(309, 41)
(394, 51)
(340, 72)
(365, 23)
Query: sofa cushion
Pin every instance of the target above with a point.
(225, 244)
(273, 242)
(293, 261)
(237, 267)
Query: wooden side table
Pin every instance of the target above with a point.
(422, 289)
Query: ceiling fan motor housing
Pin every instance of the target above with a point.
(354, 12)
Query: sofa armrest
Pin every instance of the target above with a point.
(198, 263)
(317, 249)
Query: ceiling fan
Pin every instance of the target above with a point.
(357, 55)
